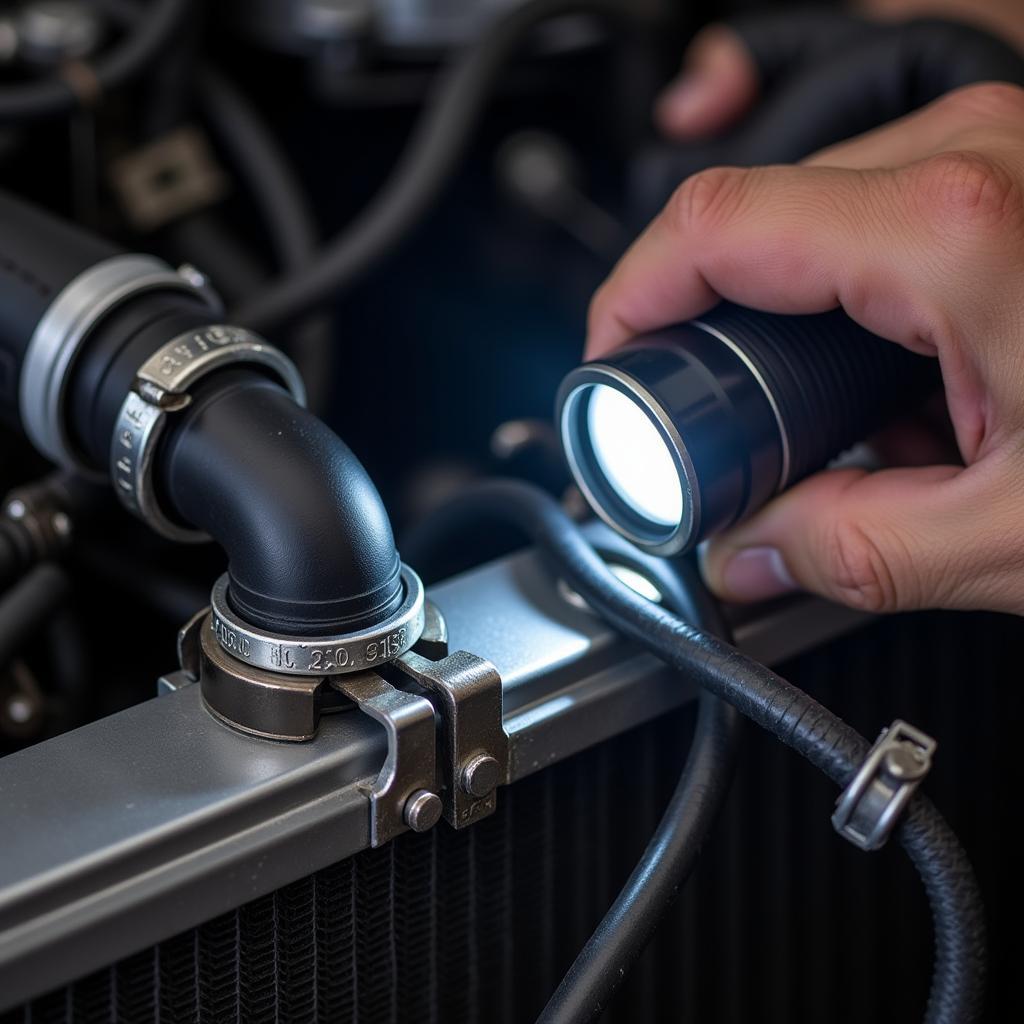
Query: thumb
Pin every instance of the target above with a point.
(935, 537)
(718, 83)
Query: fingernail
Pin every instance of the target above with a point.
(756, 574)
(685, 97)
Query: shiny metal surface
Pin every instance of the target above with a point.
(254, 701)
(161, 387)
(468, 693)
(64, 327)
(870, 807)
(131, 829)
(272, 705)
(763, 385)
(573, 395)
(323, 655)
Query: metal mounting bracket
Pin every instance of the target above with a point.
(426, 773)
(402, 796)
(475, 745)
(188, 669)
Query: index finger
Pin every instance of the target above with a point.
(780, 239)
(806, 239)
(857, 225)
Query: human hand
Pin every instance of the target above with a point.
(917, 231)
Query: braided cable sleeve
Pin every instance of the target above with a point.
(671, 855)
(799, 721)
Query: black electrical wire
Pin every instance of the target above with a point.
(28, 604)
(17, 550)
(424, 167)
(789, 714)
(668, 860)
(30, 537)
(671, 855)
(260, 162)
(271, 182)
(56, 95)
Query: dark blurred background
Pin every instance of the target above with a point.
(466, 325)
(440, 365)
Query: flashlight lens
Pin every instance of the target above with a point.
(633, 457)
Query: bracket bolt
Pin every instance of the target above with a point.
(480, 776)
(422, 810)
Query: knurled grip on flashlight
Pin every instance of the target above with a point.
(832, 382)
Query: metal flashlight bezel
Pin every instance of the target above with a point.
(572, 405)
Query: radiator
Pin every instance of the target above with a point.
(783, 922)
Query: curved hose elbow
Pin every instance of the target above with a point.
(309, 543)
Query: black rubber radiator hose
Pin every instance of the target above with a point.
(789, 714)
(309, 543)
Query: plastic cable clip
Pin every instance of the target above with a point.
(869, 808)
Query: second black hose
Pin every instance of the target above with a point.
(789, 714)
(424, 167)
(671, 855)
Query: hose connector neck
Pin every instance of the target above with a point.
(309, 543)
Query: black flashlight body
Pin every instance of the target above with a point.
(748, 403)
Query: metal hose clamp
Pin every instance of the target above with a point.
(160, 389)
(870, 807)
(60, 334)
(323, 655)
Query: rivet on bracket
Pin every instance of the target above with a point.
(476, 748)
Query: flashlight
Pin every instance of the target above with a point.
(685, 431)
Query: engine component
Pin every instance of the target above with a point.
(240, 817)
(685, 431)
(48, 33)
(305, 680)
(116, 362)
(170, 178)
(275, 685)
(429, 157)
(81, 84)
(38, 521)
